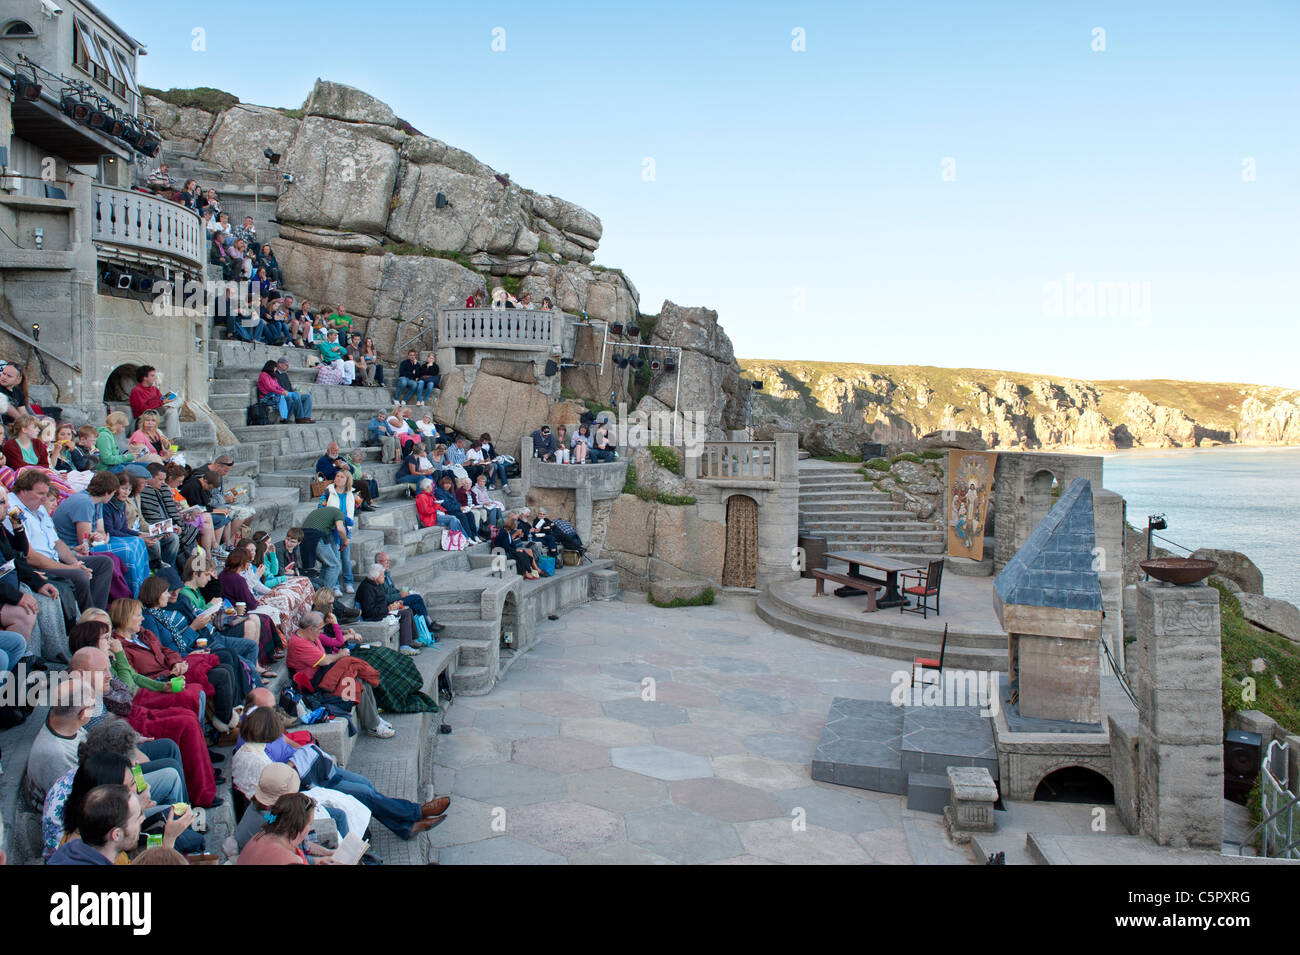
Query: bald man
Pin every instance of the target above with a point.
(54, 748)
(162, 766)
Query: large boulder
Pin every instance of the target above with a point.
(1272, 614)
(241, 134)
(961, 440)
(505, 409)
(347, 104)
(376, 288)
(482, 214)
(707, 382)
(344, 177)
(1234, 567)
(183, 127)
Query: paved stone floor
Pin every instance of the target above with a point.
(631, 734)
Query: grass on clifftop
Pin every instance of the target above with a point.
(1243, 643)
(406, 248)
(200, 97)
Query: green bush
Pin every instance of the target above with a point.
(1243, 643)
(406, 248)
(932, 455)
(905, 456)
(666, 458)
(511, 283)
(545, 248)
(877, 464)
(200, 97)
(675, 500)
(703, 600)
(629, 480)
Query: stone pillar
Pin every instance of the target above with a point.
(786, 464)
(1180, 718)
(582, 511)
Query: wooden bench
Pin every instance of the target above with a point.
(868, 587)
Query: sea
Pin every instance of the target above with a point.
(1242, 499)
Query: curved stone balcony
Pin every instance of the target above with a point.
(146, 227)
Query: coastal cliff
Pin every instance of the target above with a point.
(837, 406)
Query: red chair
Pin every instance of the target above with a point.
(926, 586)
(929, 663)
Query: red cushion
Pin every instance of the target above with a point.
(926, 662)
(920, 591)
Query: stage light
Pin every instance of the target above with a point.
(440, 201)
(654, 365)
(756, 385)
(142, 283)
(131, 134)
(634, 331)
(638, 362)
(97, 119)
(115, 278)
(150, 145)
(670, 365)
(271, 155)
(29, 90)
(552, 369)
(616, 328)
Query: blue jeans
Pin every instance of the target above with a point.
(498, 473)
(396, 815)
(13, 647)
(416, 603)
(299, 404)
(327, 552)
(236, 329)
(345, 564)
(165, 763)
(137, 469)
(406, 388)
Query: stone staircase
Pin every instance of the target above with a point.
(238, 196)
(838, 505)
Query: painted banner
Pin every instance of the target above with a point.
(970, 485)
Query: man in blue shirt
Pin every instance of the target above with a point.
(78, 517)
(91, 575)
(329, 463)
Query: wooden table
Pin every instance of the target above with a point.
(889, 566)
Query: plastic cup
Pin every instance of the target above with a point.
(178, 684)
(241, 608)
(201, 643)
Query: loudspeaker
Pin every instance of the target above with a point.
(1243, 753)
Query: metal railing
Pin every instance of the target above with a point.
(1279, 838)
(738, 461)
(144, 223)
(497, 327)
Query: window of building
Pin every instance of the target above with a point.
(117, 78)
(87, 54)
(17, 28)
(128, 71)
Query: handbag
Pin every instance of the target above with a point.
(453, 540)
(319, 486)
(571, 558)
(546, 564)
(422, 630)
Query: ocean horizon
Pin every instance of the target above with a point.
(1232, 497)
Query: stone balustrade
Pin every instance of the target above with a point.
(736, 461)
(142, 223)
(525, 329)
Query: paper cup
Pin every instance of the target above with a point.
(241, 608)
(201, 643)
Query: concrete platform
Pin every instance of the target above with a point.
(975, 638)
(873, 744)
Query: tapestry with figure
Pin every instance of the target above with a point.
(970, 488)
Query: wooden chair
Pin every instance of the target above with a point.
(922, 664)
(926, 586)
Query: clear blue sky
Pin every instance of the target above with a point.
(821, 170)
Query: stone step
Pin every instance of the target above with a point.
(877, 644)
(472, 681)
(831, 509)
(899, 536)
(928, 792)
(866, 519)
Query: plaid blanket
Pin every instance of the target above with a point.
(401, 688)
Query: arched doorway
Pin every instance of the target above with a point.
(1075, 784)
(740, 566)
(118, 384)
